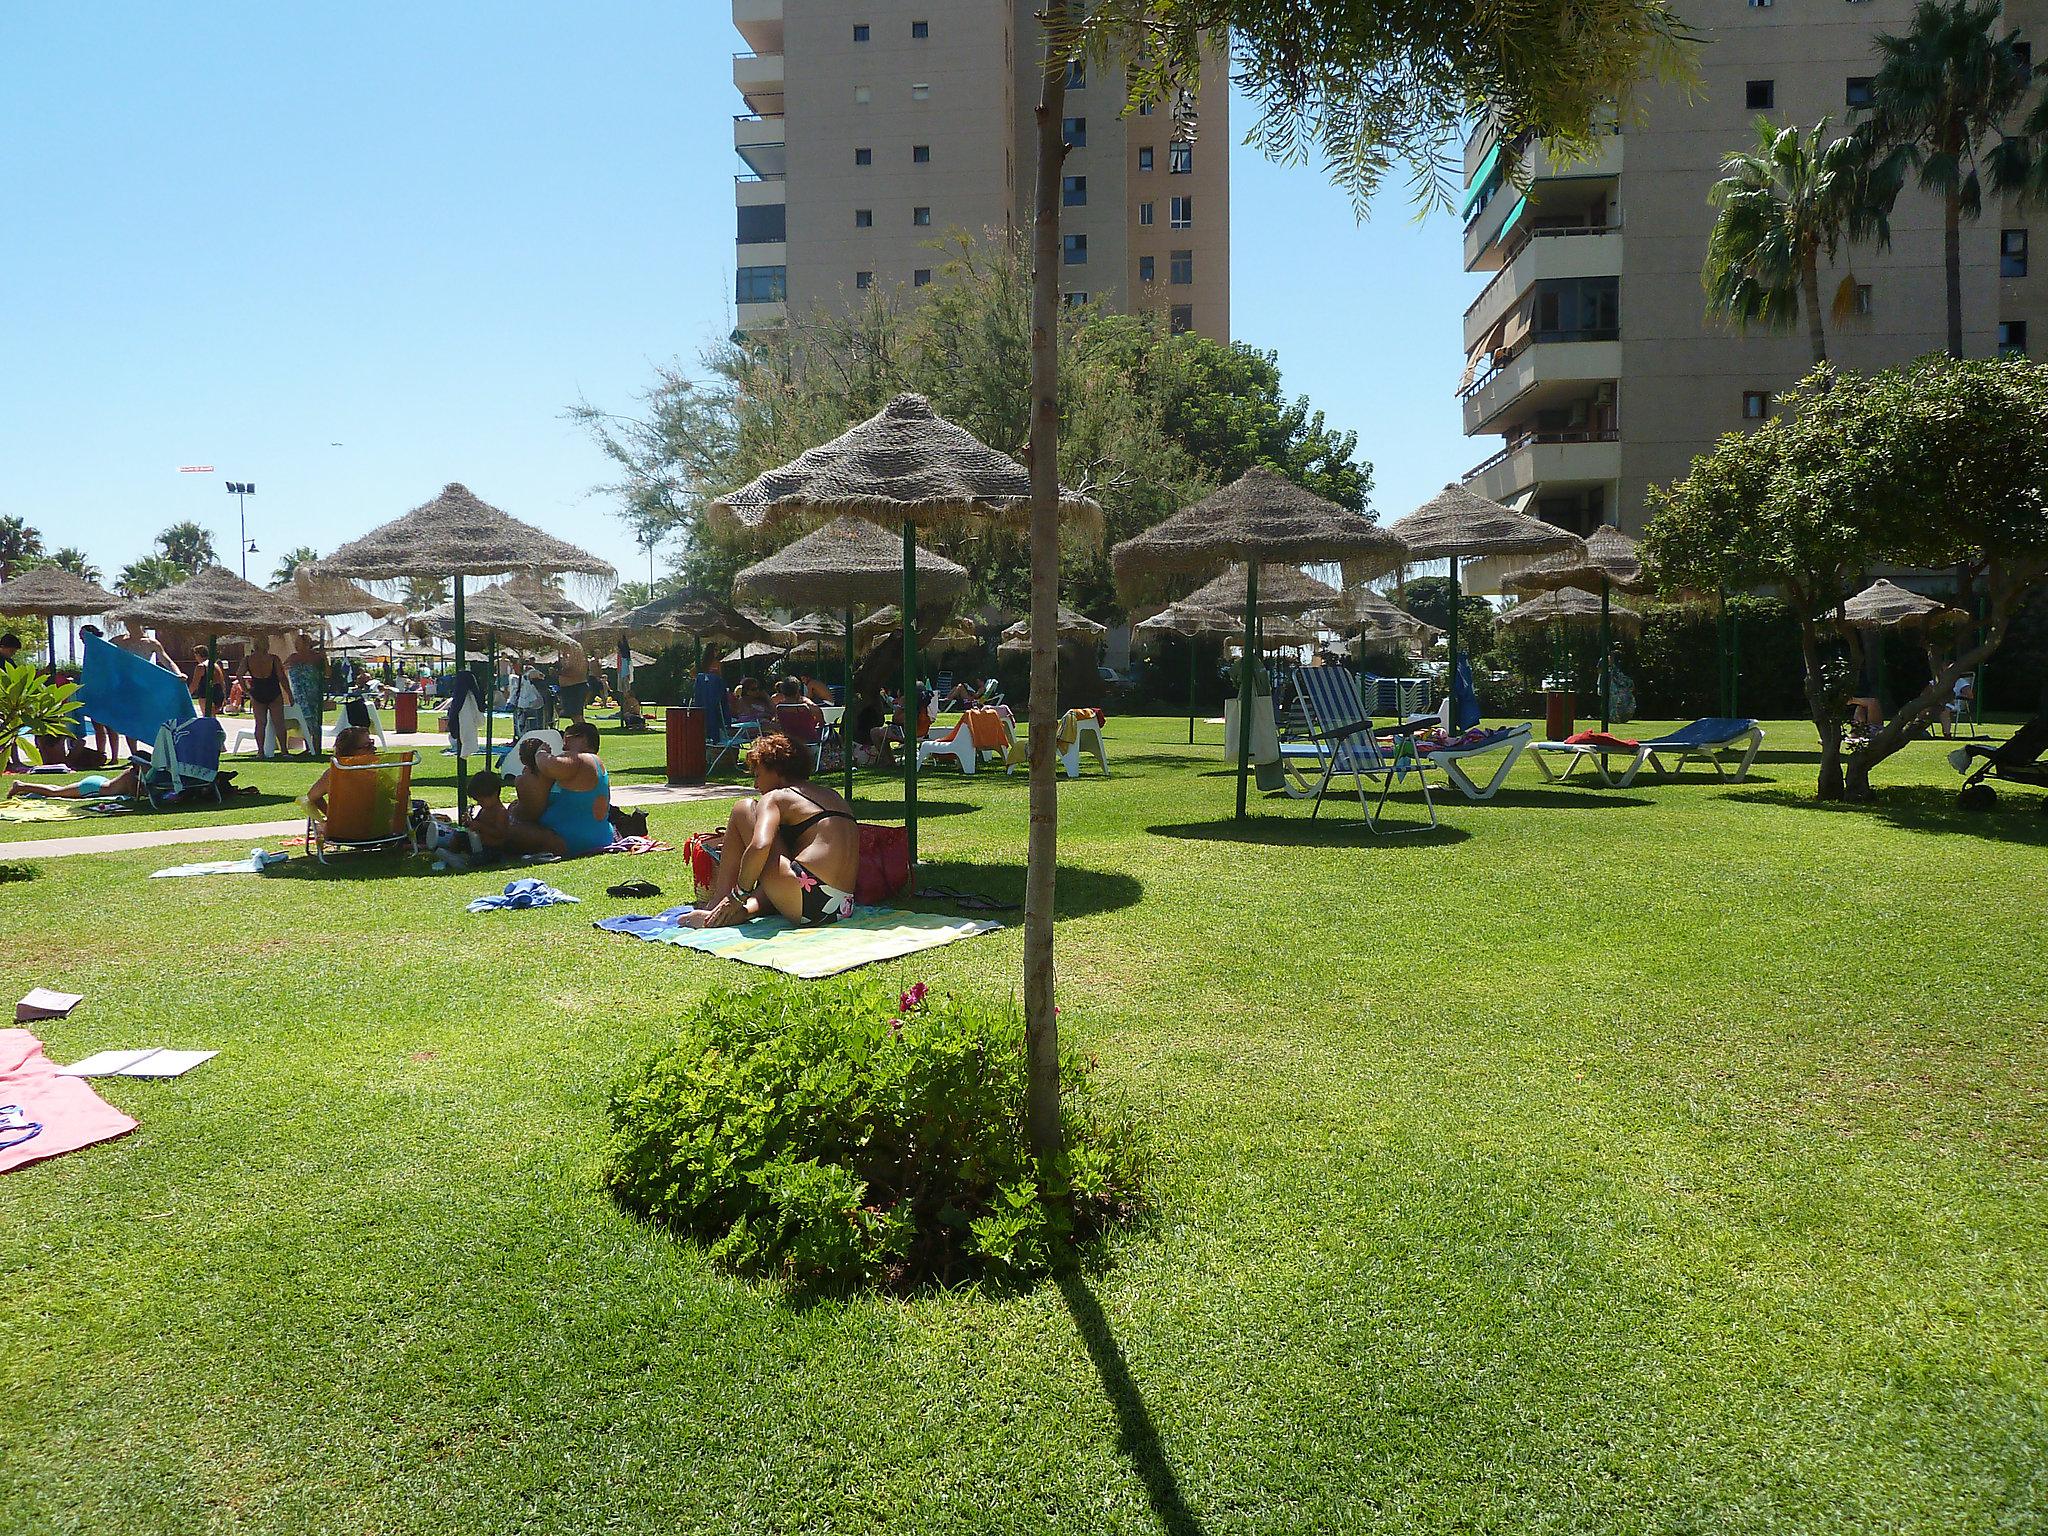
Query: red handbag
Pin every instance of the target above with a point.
(884, 864)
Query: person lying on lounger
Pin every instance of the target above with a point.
(792, 849)
(94, 786)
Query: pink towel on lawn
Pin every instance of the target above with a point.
(71, 1114)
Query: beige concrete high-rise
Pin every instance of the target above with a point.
(873, 127)
(1590, 355)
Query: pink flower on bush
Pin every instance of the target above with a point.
(912, 1000)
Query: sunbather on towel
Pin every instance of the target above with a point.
(564, 798)
(792, 849)
(94, 786)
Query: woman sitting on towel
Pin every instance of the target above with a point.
(564, 802)
(793, 849)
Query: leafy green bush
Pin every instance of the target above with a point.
(836, 1132)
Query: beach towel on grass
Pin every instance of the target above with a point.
(254, 862)
(42, 1114)
(871, 934)
(520, 895)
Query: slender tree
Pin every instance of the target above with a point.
(20, 547)
(423, 593)
(305, 554)
(189, 545)
(76, 561)
(1943, 91)
(1779, 208)
(152, 573)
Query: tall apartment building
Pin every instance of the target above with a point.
(1590, 357)
(872, 127)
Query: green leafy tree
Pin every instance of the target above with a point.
(151, 573)
(20, 547)
(77, 562)
(188, 545)
(288, 566)
(31, 705)
(423, 593)
(1779, 208)
(1429, 599)
(1944, 89)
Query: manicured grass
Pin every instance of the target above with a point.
(1667, 1159)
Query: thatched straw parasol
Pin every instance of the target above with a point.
(1457, 524)
(544, 596)
(321, 593)
(1569, 605)
(1071, 627)
(1881, 605)
(218, 602)
(53, 593)
(457, 534)
(1608, 560)
(1284, 590)
(936, 630)
(1260, 518)
(908, 466)
(498, 620)
(1369, 617)
(706, 620)
(1190, 623)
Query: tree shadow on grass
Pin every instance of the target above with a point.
(868, 808)
(1078, 892)
(2017, 818)
(1137, 1436)
(1324, 832)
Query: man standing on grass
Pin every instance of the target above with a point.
(572, 679)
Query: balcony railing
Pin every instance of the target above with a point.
(757, 176)
(1521, 243)
(1502, 356)
(1515, 445)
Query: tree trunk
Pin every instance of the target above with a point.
(1952, 262)
(1809, 293)
(1041, 1023)
(1818, 706)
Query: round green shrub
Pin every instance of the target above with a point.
(838, 1132)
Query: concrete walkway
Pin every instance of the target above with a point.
(267, 831)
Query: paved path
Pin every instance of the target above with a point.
(265, 831)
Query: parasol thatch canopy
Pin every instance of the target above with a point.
(935, 630)
(1887, 605)
(1071, 626)
(320, 592)
(1283, 589)
(848, 563)
(456, 534)
(1186, 619)
(53, 592)
(1285, 632)
(1261, 516)
(1609, 556)
(702, 618)
(544, 596)
(492, 617)
(1456, 523)
(906, 463)
(1569, 605)
(1374, 620)
(219, 602)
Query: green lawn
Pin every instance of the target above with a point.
(1667, 1159)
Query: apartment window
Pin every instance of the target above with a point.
(920, 216)
(2012, 338)
(860, 31)
(1074, 191)
(1180, 158)
(1074, 250)
(2012, 253)
(863, 279)
(1077, 75)
(1759, 5)
(1145, 269)
(1857, 92)
(763, 223)
(1180, 213)
(863, 218)
(920, 92)
(1180, 267)
(1180, 319)
(1577, 308)
(1075, 131)
(920, 30)
(862, 95)
(863, 157)
(1145, 158)
(1760, 95)
(920, 154)
(1863, 299)
(1144, 213)
(1756, 404)
(921, 278)
(1144, 109)
(1074, 300)
(761, 285)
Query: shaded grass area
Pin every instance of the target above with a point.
(1667, 1159)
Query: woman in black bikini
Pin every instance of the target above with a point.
(793, 849)
(268, 690)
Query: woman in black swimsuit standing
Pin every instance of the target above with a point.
(793, 849)
(268, 690)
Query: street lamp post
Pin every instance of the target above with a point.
(242, 490)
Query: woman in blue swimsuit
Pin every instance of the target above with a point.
(577, 818)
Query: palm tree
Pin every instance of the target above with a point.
(188, 545)
(1940, 92)
(20, 547)
(423, 593)
(305, 554)
(152, 573)
(1796, 196)
(76, 561)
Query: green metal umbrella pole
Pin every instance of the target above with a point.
(1451, 679)
(1606, 660)
(1191, 690)
(846, 713)
(910, 709)
(1248, 683)
(490, 697)
(461, 666)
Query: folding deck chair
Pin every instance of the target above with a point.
(367, 800)
(185, 761)
(2016, 761)
(1341, 735)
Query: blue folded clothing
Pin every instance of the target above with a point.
(520, 895)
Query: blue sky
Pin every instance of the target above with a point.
(241, 234)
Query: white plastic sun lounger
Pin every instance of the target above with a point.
(1510, 743)
(1593, 758)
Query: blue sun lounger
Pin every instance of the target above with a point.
(1707, 741)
